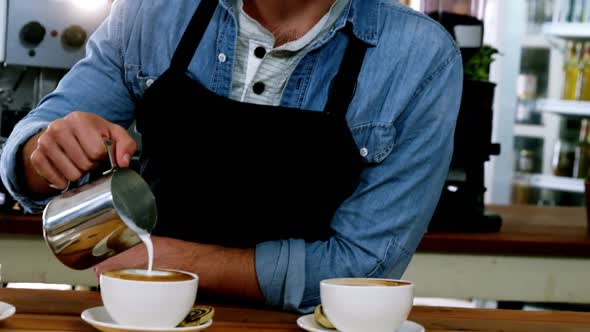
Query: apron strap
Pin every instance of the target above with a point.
(193, 34)
(344, 84)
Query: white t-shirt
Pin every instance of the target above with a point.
(261, 71)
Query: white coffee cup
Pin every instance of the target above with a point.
(162, 299)
(366, 304)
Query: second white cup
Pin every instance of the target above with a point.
(366, 304)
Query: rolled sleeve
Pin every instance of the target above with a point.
(9, 164)
(280, 268)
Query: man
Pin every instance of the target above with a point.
(321, 129)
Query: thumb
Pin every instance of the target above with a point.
(125, 145)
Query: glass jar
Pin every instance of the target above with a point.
(564, 158)
(526, 161)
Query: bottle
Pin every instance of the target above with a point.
(523, 193)
(582, 163)
(586, 14)
(585, 94)
(526, 86)
(563, 11)
(564, 157)
(572, 88)
(578, 11)
(526, 161)
(566, 69)
(570, 11)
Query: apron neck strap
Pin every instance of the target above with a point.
(344, 84)
(193, 34)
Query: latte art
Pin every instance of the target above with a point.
(145, 275)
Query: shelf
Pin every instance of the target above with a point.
(564, 107)
(568, 30)
(550, 182)
(538, 40)
(528, 130)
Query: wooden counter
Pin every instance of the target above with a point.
(20, 224)
(526, 230)
(541, 254)
(60, 311)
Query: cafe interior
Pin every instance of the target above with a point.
(508, 246)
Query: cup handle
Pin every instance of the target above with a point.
(110, 146)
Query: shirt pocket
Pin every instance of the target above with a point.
(137, 80)
(374, 140)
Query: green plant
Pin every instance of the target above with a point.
(477, 68)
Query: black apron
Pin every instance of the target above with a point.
(237, 174)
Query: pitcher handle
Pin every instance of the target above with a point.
(110, 146)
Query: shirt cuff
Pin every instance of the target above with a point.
(280, 268)
(9, 164)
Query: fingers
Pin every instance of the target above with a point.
(73, 145)
(72, 164)
(45, 169)
(92, 141)
(76, 153)
(125, 145)
(60, 160)
(90, 132)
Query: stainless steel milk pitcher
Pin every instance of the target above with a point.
(86, 225)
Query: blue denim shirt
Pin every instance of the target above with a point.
(402, 118)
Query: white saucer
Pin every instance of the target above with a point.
(308, 323)
(6, 310)
(101, 320)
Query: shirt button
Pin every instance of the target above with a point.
(364, 152)
(222, 57)
(260, 52)
(258, 88)
(149, 82)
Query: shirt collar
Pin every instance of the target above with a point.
(363, 14)
(259, 32)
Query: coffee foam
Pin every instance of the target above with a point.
(145, 275)
(367, 282)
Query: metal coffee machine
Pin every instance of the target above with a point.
(39, 41)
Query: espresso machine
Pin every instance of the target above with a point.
(51, 33)
(40, 40)
(461, 206)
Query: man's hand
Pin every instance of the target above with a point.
(69, 148)
(170, 254)
(226, 272)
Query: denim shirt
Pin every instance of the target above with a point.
(402, 118)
